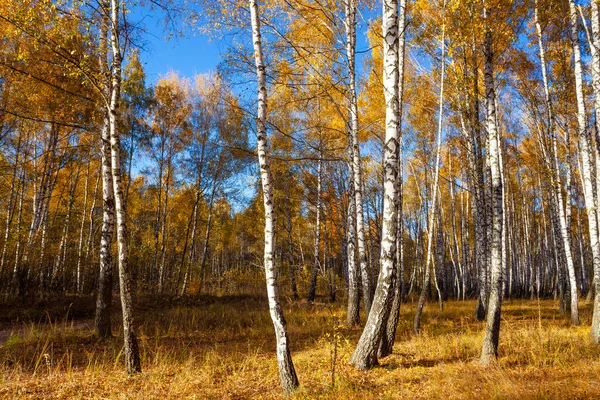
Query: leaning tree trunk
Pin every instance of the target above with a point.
(287, 373)
(82, 228)
(492, 331)
(89, 248)
(434, 192)
(555, 175)
(365, 355)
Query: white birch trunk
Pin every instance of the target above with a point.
(365, 355)
(131, 353)
(555, 174)
(104, 296)
(316, 265)
(595, 331)
(287, 373)
(353, 317)
(434, 192)
(105, 278)
(388, 339)
(492, 331)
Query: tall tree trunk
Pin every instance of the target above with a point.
(82, 228)
(157, 223)
(287, 373)
(388, 339)
(290, 251)
(17, 264)
(316, 264)
(555, 174)
(365, 355)
(595, 331)
(492, 331)
(105, 280)
(357, 193)
(89, 249)
(163, 224)
(434, 191)
(131, 353)
(353, 315)
(60, 258)
(12, 198)
(207, 232)
(480, 209)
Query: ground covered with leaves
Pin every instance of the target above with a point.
(223, 348)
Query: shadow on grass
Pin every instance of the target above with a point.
(396, 361)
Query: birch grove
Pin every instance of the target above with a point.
(412, 157)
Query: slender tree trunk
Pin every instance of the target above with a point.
(287, 373)
(11, 204)
(357, 194)
(60, 258)
(388, 339)
(353, 315)
(89, 249)
(595, 330)
(365, 355)
(163, 224)
(105, 279)
(82, 228)
(480, 209)
(555, 174)
(131, 353)
(316, 265)
(104, 296)
(17, 264)
(207, 233)
(155, 276)
(434, 191)
(489, 350)
(290, 251)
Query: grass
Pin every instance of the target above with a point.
(223, 348)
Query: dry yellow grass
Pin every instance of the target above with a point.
(222, 348)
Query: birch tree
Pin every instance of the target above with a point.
(131, 350)
(434, 191)
(489, 350)
(365, 354)
(592, 209)
(287, 373)
(555, 173)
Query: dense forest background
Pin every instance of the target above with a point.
(442, 151)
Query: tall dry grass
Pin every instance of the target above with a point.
(223, 348)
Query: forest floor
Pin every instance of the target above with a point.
(223, 348)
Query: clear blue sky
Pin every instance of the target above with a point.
(189, 55)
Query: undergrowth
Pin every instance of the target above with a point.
(223, 348)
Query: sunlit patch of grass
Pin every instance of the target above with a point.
(223, 348)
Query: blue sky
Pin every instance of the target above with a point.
(196, 53)
(189, 55)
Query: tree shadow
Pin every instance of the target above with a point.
(400, 361)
